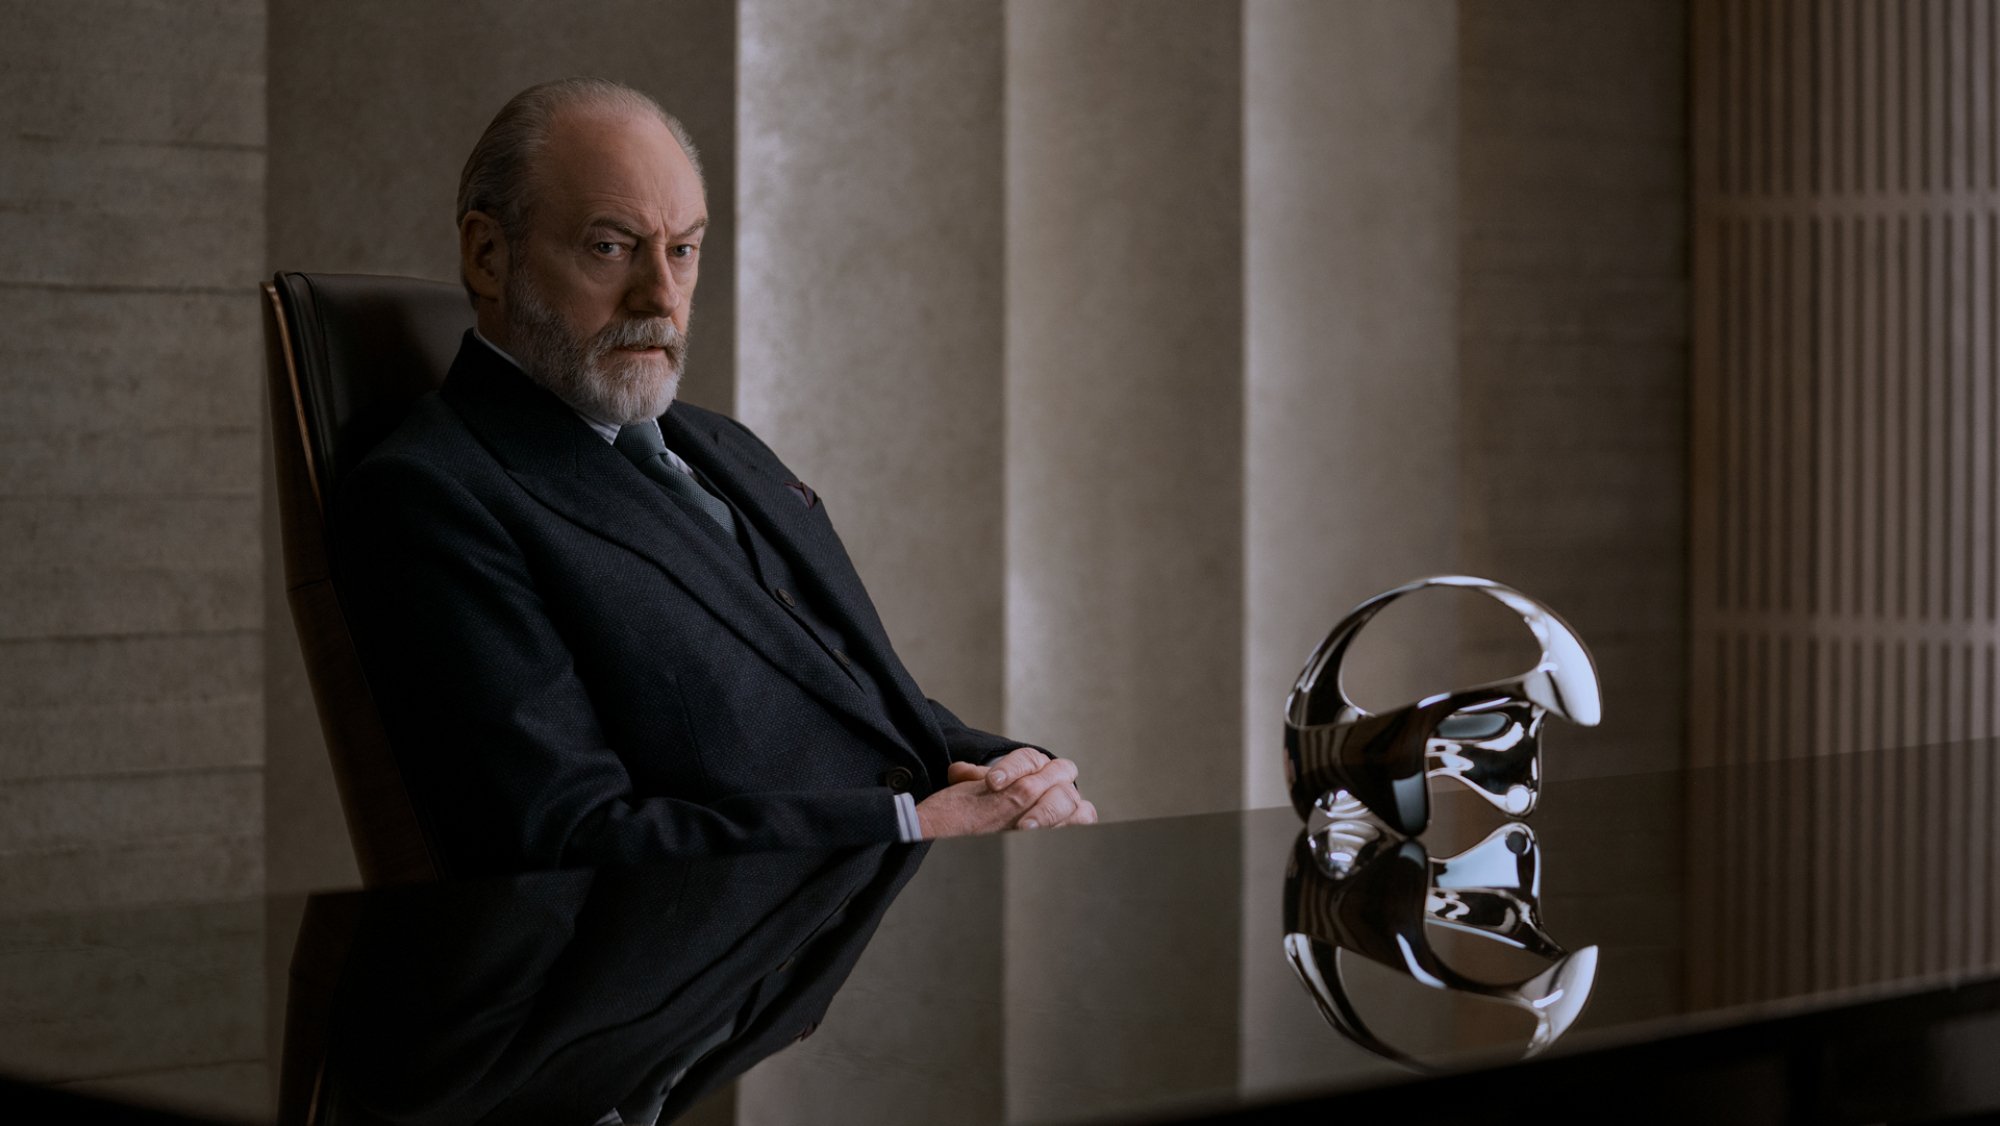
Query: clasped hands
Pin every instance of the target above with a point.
(1022, 789)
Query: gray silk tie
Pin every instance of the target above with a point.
(641, 442)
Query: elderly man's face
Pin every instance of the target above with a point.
(597, 298)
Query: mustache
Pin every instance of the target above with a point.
(650, 333)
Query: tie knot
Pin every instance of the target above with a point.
(641, 441)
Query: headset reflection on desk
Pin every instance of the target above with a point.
(1359, 881)
(1352, 886)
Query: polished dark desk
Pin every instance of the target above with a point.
(1814, 940)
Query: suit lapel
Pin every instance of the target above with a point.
(717, 450)
(568, 467)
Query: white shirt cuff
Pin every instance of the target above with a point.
(908, 828)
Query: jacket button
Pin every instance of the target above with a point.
(785, 596)
(898, 779)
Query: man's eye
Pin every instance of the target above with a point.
(609, 248)
(684, 250)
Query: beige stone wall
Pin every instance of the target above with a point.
(1573, 346)
(1125, 396)
(1350, 353)
(1845, 578)
(129, 481)
(871, 318)
(132, 171)
(1351, 401)
(1847, 441)
(872, 308)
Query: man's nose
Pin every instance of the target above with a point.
(655, 292)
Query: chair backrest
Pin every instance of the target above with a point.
(347, 355)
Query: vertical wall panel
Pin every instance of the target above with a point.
(871, 320)
(132, 175)
(870, 287)
(1124, 447)
(1845, 468)
(1125, 471)
(1351, 393)
(129, 474)
(1351, 380)
(1845, 431)
(1573, 344)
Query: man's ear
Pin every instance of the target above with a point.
(482, 255)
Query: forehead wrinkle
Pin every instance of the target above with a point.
(601, 164)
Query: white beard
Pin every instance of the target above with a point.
(593, 376)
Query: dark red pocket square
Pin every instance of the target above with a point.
(805, 492)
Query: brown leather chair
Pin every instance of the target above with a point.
(348, 353)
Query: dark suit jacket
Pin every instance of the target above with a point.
(574, 669)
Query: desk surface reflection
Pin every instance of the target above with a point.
(1814, 938)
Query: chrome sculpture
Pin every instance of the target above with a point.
(1487, 737)
(1354, 887)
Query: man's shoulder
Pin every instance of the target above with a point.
(430, 434)
(435, 432)
(705, 420)
(431, 459)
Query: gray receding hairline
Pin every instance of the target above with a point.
(497, 174)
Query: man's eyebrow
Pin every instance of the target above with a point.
(606, 223)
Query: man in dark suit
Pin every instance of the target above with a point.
(600, 638)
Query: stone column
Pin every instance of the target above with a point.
(871, 298)
(1124, 397)
(1124, 521)
(1349, 290)
(870, 343)
(1573, 345)
(132, 169)
(1351, 402)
